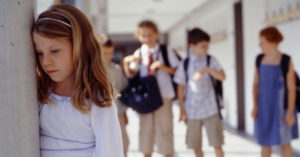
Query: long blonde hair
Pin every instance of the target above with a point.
(91, 81)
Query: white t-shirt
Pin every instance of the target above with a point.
(66, 132)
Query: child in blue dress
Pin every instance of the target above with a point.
(77, 116)
(274, 124)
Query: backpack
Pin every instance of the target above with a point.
(164, 52)
(217, 84)
(284, 64)
(142, 94)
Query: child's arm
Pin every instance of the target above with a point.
(181, 95)
(107, 132)
(291, 89)
(219, 75)
(158, 65)
(214, 69)
(126, 62)
(255, 95)
(181, 99)
(173, 63)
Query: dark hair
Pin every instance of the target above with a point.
(271, 34)
(147, 24)
(197, 35)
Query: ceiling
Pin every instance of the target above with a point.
(124, 15)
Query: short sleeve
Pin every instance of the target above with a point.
(215, 64)
(137, 52)
(180, 75)
(106, 127)
(174, 61)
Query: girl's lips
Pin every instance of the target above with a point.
(51, 71)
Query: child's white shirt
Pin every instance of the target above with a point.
(66, 132)
(163, 78)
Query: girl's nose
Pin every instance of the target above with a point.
(47, 60)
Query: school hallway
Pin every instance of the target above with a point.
(236, 144)
(233, 25)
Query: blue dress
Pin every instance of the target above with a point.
(270, 126)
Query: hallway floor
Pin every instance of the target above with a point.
(235, 145)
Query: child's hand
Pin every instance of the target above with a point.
(132, 58)
(155, 65)
(182, 116)
(200, 73)
(254, 113)
(290, 119)
(197, 76)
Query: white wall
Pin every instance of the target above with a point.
(253, 19)
(215, 17)
(19, 131)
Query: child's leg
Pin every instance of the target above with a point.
(286, 150)
(266, 151)
(163, 124)
(219, 151)
(214, 130)
(194, 136)
(199, 152)
(146, 134)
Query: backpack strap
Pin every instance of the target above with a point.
(213, 81)
(208, 60)
(185, 68)
(164, 52)
(259, 60)
(284, 65)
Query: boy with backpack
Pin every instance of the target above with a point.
(199, 104)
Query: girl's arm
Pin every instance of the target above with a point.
(158, 65)
(255, 95)
(107, 132)
(291, 89)
(168, 69)
(127, 60)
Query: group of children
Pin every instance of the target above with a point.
(198, 106)
(80, 115)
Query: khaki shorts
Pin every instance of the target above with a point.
(124, 132)
(214, 131)
(157, 128)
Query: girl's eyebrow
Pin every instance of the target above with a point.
(53, 46)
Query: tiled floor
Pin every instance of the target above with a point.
(236, 146)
